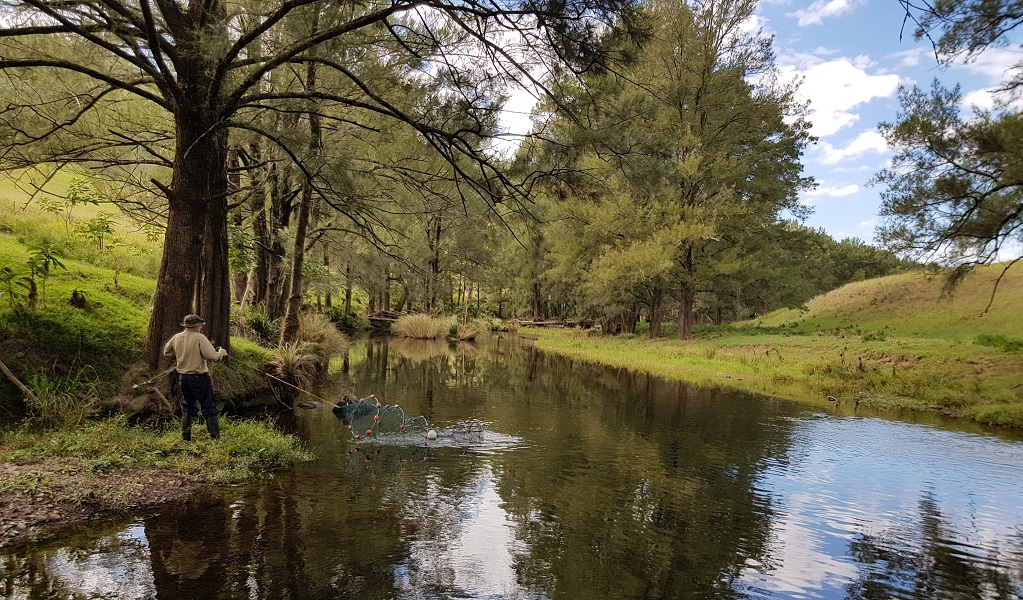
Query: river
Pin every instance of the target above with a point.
(555, 479)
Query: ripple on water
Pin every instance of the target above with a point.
(866, 499)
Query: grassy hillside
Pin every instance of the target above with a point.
(893, 343)
(912, 305)
(92, 347)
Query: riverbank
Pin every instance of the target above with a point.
(53, 479)
(951, 377)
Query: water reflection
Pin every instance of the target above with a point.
(471, 552)
(594, 483)
(933, 518)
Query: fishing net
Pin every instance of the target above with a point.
(368, 417)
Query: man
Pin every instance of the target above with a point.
(190, 350)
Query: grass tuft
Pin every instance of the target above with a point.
(421, 327)
(1001, 342)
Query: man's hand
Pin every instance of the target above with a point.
(222, 352)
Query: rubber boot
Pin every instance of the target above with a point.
(213, 426)
(186, 427)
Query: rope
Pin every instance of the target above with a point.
(261, 372)
(153, 378)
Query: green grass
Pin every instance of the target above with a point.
(912, 304)
(103, 334)
(247, 449)
(893, 342)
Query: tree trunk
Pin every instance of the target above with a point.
(215, 277)
(290, 324)
(198, 183)
(434, 281)
(261, 233)
(402, 300)
(685, 313)
(328, 300)
(293, 307)
(687, 297)
(348, 288)
(17, 383)
(655, 318)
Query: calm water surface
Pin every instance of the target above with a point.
(587, 483)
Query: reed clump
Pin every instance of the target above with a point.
(421, 326)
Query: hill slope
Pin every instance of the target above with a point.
(913, 305)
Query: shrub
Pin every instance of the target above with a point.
(1001, 342)
(421, 326)
(265, 329)
(61, 401)
(322, 338)
(295, 364)
(464, 331)
(345, 323)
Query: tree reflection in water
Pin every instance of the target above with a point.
(618, 485)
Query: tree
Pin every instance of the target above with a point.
(955, 189)
(206, 68)
(687, 147)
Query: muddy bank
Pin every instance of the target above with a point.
(37, 498)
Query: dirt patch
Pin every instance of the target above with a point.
(39, 496)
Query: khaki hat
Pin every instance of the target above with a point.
(192, 321)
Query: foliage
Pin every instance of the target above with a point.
(296, 364)
(14, 285)
(346, 323)
(79, 192)
(953, 192)
(41, 260)
(214, 74)
(677, 168)
(266, 329)
(1001, 342)
(953, 187)
(61, 401)
(98, 229)
(421, 326)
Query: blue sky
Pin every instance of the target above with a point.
(851, 59)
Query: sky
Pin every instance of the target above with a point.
(852, 56)
(852, 61)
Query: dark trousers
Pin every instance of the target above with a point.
(196, 394)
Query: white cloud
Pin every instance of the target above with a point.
(983, 99)
(823, 9)
(868, 224)
(833, 191)
(834, 88)
(756, 23)
(865, 143)
(994, 63)
(908, 58)
(516, 119)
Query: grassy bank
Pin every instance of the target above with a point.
(247, 448)
(76, 346)
(893, 342)
(105, 467)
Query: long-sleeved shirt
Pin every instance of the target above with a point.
(190, 350)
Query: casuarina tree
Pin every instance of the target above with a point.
(160, 84)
